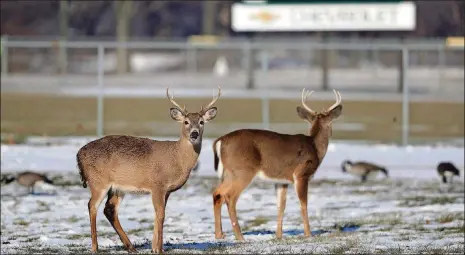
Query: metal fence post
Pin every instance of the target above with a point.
(264, 61)
(4, 55)
(62, 56)
(250, 65)
(441, 64)
(405, 97)
(100, 88)
(266, 110)
(191, 58)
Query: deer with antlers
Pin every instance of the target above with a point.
(116, 164)
(244, 154)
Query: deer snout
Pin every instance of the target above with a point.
(194, 134)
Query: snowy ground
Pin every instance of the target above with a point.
(410, 212)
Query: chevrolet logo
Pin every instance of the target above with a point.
(264, 16)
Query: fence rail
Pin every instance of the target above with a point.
(416, 71)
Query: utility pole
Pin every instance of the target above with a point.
(123, 19)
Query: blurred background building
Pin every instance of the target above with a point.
(99, 67)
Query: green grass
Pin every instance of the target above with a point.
(79, 236)
(343, 247)
(415, 201)
(139, 230)
(73, 219)
(42, 207)
(257, 221)
(388, 220)
(449, 217)
(21, 222)
(145, 220)
(39, 114)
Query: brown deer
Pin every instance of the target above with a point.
(116, 164)
(242, 155)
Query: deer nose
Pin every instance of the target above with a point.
(195, 134)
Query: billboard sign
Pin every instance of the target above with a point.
(395, 16)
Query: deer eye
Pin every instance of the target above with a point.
(186, 122)
(201, 122)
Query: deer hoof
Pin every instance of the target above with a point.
(132, 250)
(158, 251)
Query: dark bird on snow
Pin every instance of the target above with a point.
(28, 179)
(447, 170)
(363, 169)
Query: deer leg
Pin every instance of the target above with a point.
(111, 212)
(301, 188)
(218, 200)
(94, 202)
(233, 192)
(281, 191)
(159, 200)
(231, 201)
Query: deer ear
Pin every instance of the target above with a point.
(210, 114)
(336, 112)
(176, 114)
(304, 114)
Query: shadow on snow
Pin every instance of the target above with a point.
(214, 245)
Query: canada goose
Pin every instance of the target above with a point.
(362, 169)
(28, 179)
(447, 169)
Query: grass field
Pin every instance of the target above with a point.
(41, 114)
(382, 216)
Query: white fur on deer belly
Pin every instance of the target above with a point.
(129, 189)
(263, 177)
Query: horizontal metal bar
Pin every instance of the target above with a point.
(274, 94)
(232, 45)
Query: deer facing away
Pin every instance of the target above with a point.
(244, 154)
(116, 164)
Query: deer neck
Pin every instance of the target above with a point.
(188, 152)
(320, 136)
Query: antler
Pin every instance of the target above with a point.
(183, 109)
(305, 94)
(338, 101)
(204, 108)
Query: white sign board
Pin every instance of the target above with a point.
(323, 17)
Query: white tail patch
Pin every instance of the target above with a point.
(220, 163)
